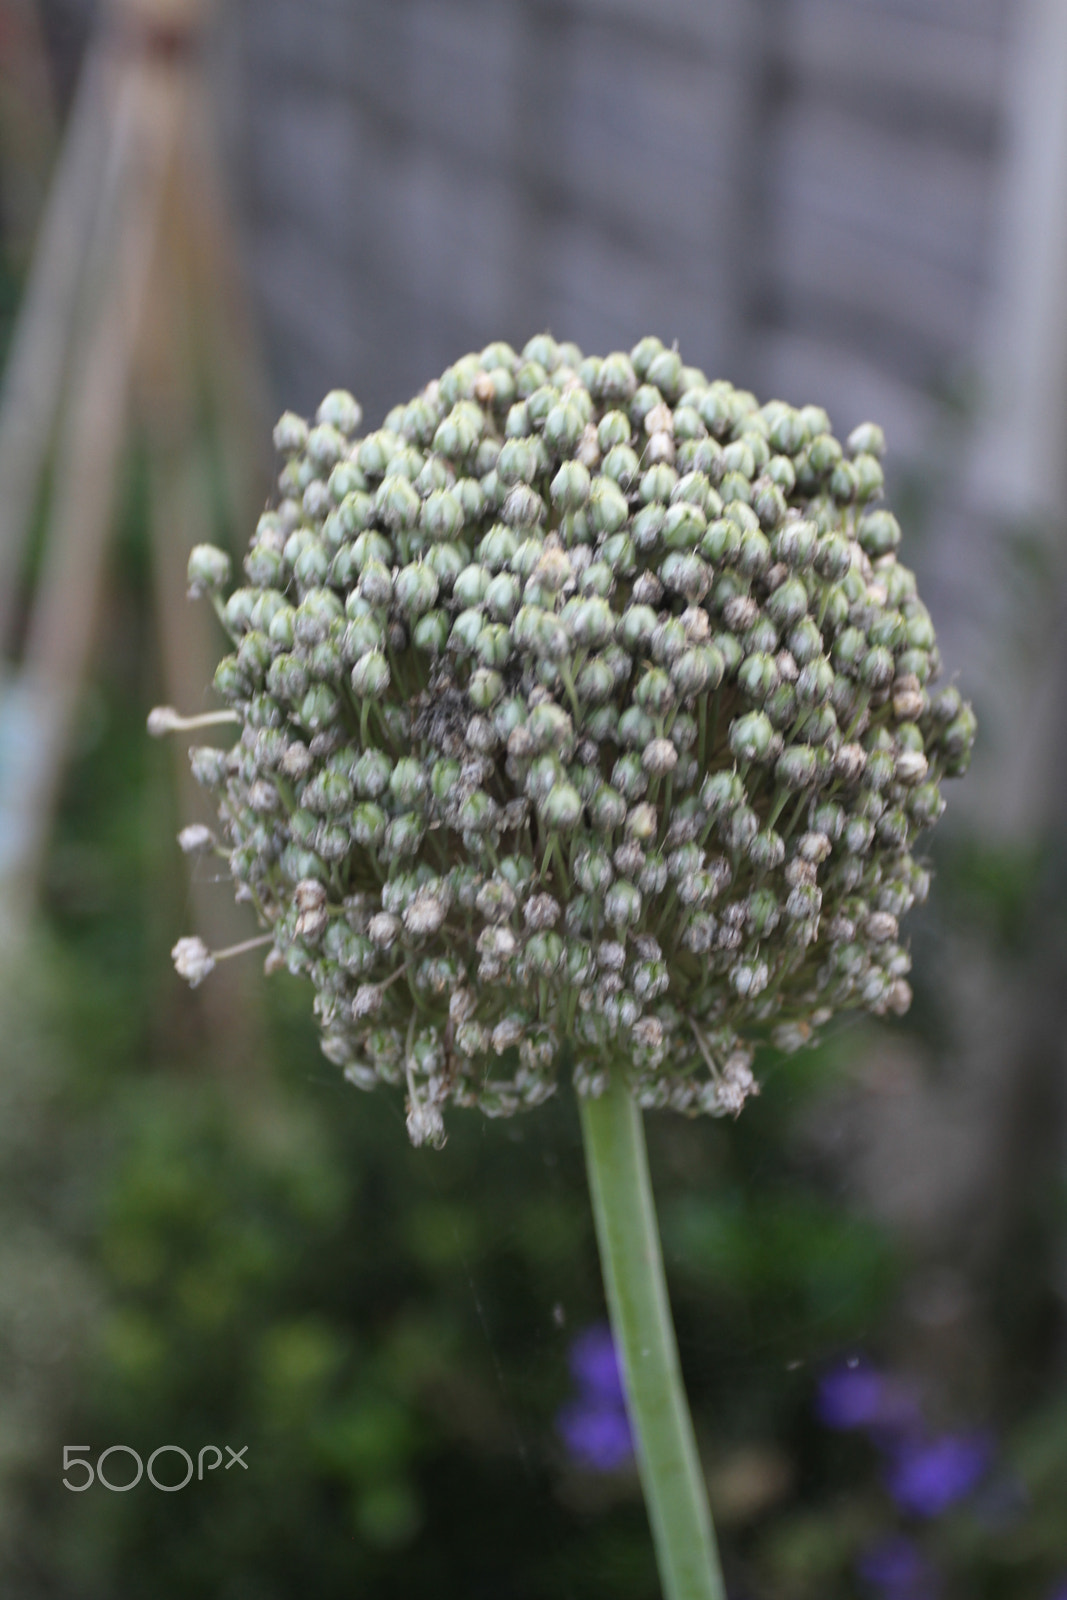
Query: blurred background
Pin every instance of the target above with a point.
(212, 213)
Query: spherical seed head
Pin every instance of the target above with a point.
(585, 699)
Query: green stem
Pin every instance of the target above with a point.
(671, 1475)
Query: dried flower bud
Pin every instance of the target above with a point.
(193, 961)
(195, 838)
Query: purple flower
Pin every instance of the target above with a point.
(594, 1426)
(855, 1395)
(595, 1366)
(928, 1476)
(596, 1434)
(897, 1570)
(850, 1395)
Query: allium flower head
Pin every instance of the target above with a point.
(591, 698)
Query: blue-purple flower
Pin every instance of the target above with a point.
(926, 1477)
(594, 1426)
(896, 1569)
(594, 1364)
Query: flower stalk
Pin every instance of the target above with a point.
(632, 1263)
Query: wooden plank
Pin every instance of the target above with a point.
(36, 363)
(461, 72)
(44, 700)
(955, 59)
(916, 198)
(643, 136)
(824, 260)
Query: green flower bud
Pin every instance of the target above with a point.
(925, 804)
(892, 828)
(606, 508)
(397, 502)
(497, 548)
(849, 649)
(664, 371)
(879, 533)
(403, 836)
(622, 466)
(407, 783)
(371, 546)
(493, 645)
(319, 707)
(815, 682)
(563, 426)
(441, 517)
(229, 681)
(751, 736)
(371, 676)
(648, 527)
(735, 488)
(616, 380)
(868, 475)
(290, 434)
(562, 808)
(607, 809)
(596, 682)
(867, 439)
(592, 623)
(545, 954)
(957, 740)
(342, 411)
(636, 728)
(823, 453)
(796, 766)
(795, 544)
(263, 566)
(287, 679)
(788, 603)
(877, 668)
(416, 589)
(919, 632)
(657, 485)
(781, 706)
(517, 461)
(622, 905)
(684, 527)
(376, 451)
(239, 610)
(570, 487)
(758, 676)
(696, 670)
(477, 813)
(685, 575)
(446, 562)
(431, 632)
(644, 353)
(325, 446)
(602, 723)
(328, 794)
(208, 570)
